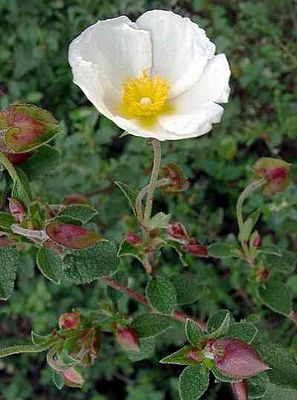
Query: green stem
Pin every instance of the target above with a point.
(142, 194)
(152, 185)
(251, 188)
(9, 167)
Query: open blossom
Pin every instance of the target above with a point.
(156, 78)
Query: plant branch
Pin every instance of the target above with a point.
(154, 177)
(140, 298)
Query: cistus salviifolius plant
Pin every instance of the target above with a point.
(159, 79)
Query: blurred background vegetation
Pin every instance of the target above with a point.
(259, 39)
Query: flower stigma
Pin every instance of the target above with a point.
(145, 97)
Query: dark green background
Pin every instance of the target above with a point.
(259, 39)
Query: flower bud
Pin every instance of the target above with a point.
(195, 248)
(178, 182)
(256, 240)
(25, 127)
(73, 378)
(240, 390)
(6, 242)
(17, 210)
(236, 359)
(178, 231)
(276, 172)
(69, 320)
(132, 239)
(17, 159)
(128, 339)
(262, 274)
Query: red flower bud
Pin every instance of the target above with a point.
(240, 390)
(256, 240)
(132, 239)
(26, 127)
(178, 231)
(195, 248)
(17, 159)
(128, 339)
(69, 320)
(178, 182)
(73, 378)
(17, 210)
(276, 172)
(236, 359)
(262, 274)
(5, 242)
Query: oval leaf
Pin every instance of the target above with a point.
(161, 295)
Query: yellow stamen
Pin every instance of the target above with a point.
(144, 96)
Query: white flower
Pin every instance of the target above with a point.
(156, 78)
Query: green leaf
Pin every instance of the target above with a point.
(270, 249)
(176, 247)
(40, 340)
(276, 296)
(194, 333)
(216, 319)
(222, 250)
(6, 220)
(159, 221)
(243, 330)
(129, 193)
(57, 379)
(87, 265)
(248, 225)
(193, 383)
(147, 349)
(161, 295)
(21, 189)
(42, 162)
(81, 212)
(50, 264)
(188, 288)
(283, 366)
(23, 348)
(285, 263)
(222, 330)
(275, 392)
(9, 261)
(149, 325)
(223, 378)
(258, 386)
(184, 356)
(127, 250)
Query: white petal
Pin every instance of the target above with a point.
(180, 48)
(116, 46)
(185, 126)
(212, 86)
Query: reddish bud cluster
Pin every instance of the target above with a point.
(17, 210)
(276, 172)
(195, 248)
(127, 338)
(178, 231)
(69, 320)
(132, 239)
(178, 182)
(72, 378)
(235, 358)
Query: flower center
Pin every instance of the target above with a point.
(144, 96)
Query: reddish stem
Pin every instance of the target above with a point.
(178, 315)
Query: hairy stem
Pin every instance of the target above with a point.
(251, 188)
(140, 298)
(152, 185)
(142, 194)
